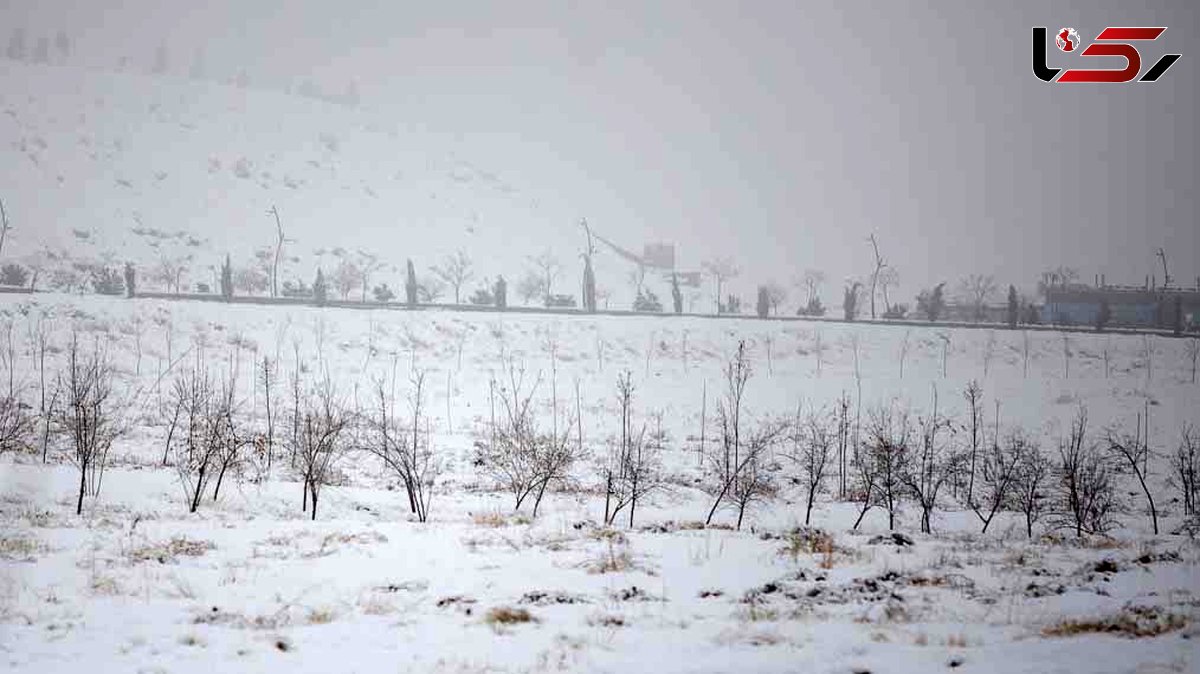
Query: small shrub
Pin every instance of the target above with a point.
(1133, 622)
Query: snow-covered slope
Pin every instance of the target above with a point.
(90, 158)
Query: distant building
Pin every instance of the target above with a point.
(1134, 306)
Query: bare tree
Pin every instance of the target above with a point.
(905, 344)
(87, 417)
(1185, 464)
(456, 271)
(16, 425)
(999, 466)
(812, 281)
(865, 485)
(812, 444)
(973, 394)
(841, 413)
(548, 269)
(1148, 356)
(945, 339)
(1085, 491)
(4, 225)
(1029, 481)
(887, 450)
(202, 440)
(739, 463)
(346, 277)
(977, 290)
(368, 263)
(989, 350)
(879, 267)
(1025, 351)
(721, 270)
(1193, 354)
(776, 295)
(1135, 451)
(632, 469)
(40, 345)
(319, 444)
(405, 448)
(933, 467)
(1066, 351)
(529, 286)
(888, 278)
(521, 458)
(266, 375)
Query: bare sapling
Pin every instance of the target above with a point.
(87, 417)
(1066, 351)
(1025, 352)
(973, 394)
(887, 450)
(16, 426)
(632, 469)
(933, 466)
(1193, 354)
(39, 338)
(945, 338)
(404, 446)
(266, 376)
(842, 416)
(523, 459)
(812, 448)
(864, 488)
(324, 419)
(1148, 356)
(998, 468)
(1085, 490)
(202, 439)
(1029, 482)
(1106, 352)
(738, 461)
(905, 343)
(1185, 467)
(989, 350)
(818, 350)
(1134, 450)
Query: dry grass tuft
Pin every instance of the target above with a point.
(169, 551)
(502, 616)
(1133, 622)
(20, 548)
(608, 620)
(320, 616)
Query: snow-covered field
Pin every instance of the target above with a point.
(250, 583)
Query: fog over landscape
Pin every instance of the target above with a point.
(552, 336)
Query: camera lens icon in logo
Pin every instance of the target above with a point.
(1067, 39)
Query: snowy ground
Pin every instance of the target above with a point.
(250, 584)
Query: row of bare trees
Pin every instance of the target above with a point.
(209, 438)
(1079, 489)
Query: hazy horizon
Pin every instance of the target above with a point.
(782, 136)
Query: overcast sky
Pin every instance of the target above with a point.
(781, 133)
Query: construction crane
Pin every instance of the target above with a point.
(1162, 255)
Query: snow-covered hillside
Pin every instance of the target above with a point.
(249, 583)
(125, 167)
